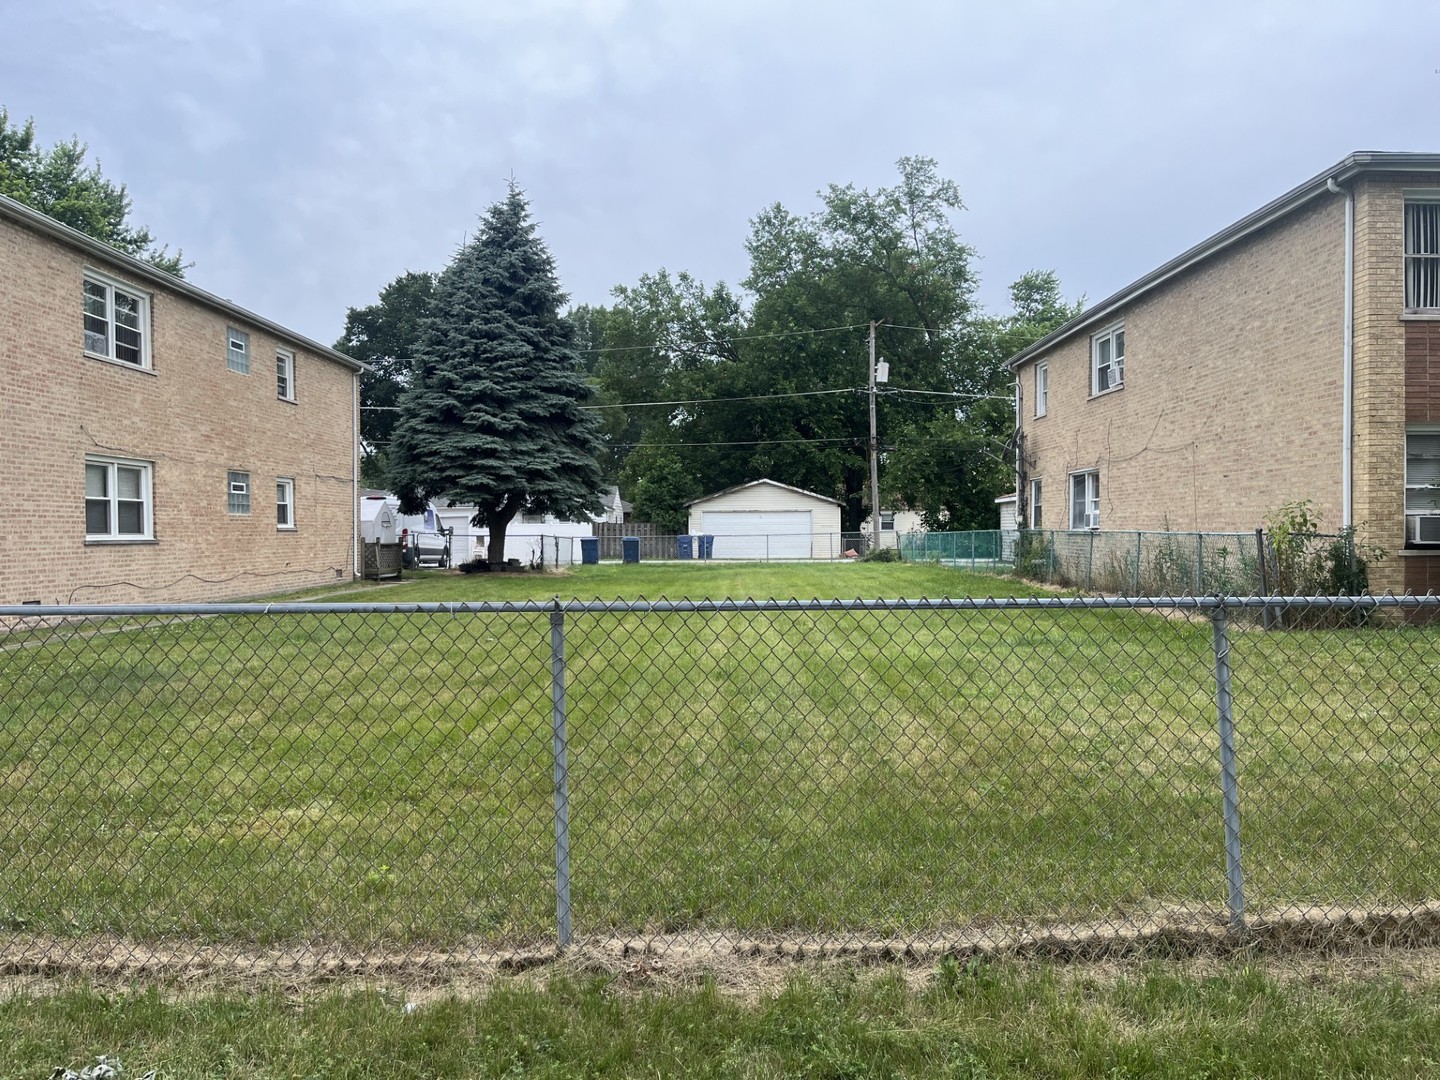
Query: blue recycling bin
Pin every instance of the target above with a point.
(684, 547)
(631, 545)
(589, 550)
(707, 546)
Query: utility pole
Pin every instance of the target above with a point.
(874, 452)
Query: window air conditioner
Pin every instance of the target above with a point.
(1422, 528)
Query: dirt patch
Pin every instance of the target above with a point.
(1303, 943)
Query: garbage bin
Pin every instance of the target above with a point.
(707, 546)
(684, 547)
(589, 550)
(631, 546)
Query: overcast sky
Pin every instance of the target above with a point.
(303, 154)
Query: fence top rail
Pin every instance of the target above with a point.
(517, 607)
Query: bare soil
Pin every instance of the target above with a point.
(1311, 943)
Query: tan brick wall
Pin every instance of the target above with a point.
(1380, 372)
(190, 416)
(1232, 397)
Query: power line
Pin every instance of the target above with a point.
(707, 401)
(923, 329)
(949, 395)
(741, 442)
(736, 337)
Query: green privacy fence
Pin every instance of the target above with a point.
(984, 550)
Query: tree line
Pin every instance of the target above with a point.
(695, 388)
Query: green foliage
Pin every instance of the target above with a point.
(385, 335)
(660, 487)
(1306, 562)
(882, 555)
(57, 182)
(891, 255)
(491, 414)
(1034, 559)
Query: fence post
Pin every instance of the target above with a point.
(1199, 564)
(560, 750)
(1139, 554)
(1264, 577)
(1229, 783)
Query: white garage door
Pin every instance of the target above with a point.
(758, 534)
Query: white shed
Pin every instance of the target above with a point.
(1009, 526)
(767, 520)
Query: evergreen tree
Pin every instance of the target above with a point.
(491, 416)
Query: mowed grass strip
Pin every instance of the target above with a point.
(977, 1021)
(386, 780)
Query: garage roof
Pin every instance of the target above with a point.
(755, 483)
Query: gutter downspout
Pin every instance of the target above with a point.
(1020, 506)
(355, 473)
(1347, 455)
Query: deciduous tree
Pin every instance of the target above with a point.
(58, 183)
(385, 335)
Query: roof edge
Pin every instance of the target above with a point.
(43, 223)
(1361, 161)
(764, 480)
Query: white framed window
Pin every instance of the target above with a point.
(532, 519)
(285, 374)
(1107, 360)
(1037, 491)
(1422, 251)
(237, 495)
(116, 321)
(887, 521)
(1042, 389)
(284, 503)
(118, 499)
(237, 350)
(1422, 470)
(1085, 500)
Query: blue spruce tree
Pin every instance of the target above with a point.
(492, 414)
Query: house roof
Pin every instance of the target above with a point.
(1361, 161)
(138, 268)
(754, 483)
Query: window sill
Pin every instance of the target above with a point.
(1419, 549)
(125, 364)
(1420, 316)
(1041, 416)
(286, 400)
(287, 528)
(112, 541)
(1106, 393)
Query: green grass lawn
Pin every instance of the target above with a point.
(386, 781)
(708, 580)
(988, 1021)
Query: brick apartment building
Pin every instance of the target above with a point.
(1294, 355)
(160, 444)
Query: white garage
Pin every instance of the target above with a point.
(768, 520)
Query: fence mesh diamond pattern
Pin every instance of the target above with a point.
(396, 780)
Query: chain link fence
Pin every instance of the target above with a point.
(451, 780)
(1139, 564)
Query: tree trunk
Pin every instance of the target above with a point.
(496, 549)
